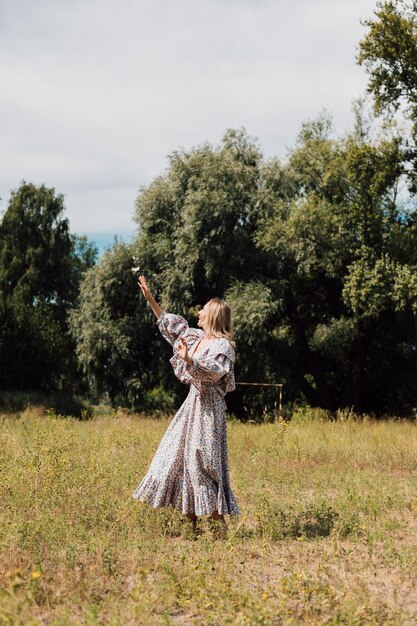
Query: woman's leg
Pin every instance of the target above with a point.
(215, 515)
(193, 518)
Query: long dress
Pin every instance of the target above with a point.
(190, 469)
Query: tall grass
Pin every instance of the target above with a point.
(327, 533)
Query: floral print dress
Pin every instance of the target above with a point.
(190, 469)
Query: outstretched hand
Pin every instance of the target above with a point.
(183, 350)
(144, 286)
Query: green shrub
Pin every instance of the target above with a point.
(160, 400)
(59, 403)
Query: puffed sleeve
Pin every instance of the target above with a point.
(211, 367)
(171, 326)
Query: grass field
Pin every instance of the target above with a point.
(327, 534)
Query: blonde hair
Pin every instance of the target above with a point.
(218, 322)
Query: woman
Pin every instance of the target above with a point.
(190, 469)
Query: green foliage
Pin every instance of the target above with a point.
(369, 286)
(340, 243)
(316, 256)
(118, 344)
(195, 241)
(159, 399)
(405, 288)
(41, 266)
(196, 223)
(254, 307)
(54, 404)
(389, 54)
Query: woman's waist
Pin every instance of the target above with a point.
(207, 391)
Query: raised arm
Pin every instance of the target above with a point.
(171, 326)
(149, 297)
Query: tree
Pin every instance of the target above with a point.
(41, 266)
(195, 240)
(118, 344)
(316, 255)
(196, 232)
(389, 54)
(197, 222)
(344, 221)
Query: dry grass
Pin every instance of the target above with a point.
(327, 533)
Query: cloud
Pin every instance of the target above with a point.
(97, 93)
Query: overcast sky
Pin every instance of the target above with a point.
(96, 93)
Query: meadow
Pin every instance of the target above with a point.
(327, 531)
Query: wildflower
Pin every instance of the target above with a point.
(36, 574)
(300, 538)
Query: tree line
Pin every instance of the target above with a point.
(317, 256)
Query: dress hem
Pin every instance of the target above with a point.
(179, 508)
(149, 491)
